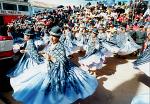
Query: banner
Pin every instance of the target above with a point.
(11, 12)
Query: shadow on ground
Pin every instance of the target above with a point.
(122, 94)
(144, 79)
(101, 96)
(111, 65)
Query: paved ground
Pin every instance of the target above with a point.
(118, 84)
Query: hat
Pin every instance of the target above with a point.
(55, 31)
(141, 26)
(29, 32)
(95, 30)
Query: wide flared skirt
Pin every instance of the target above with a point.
(143, 58)
(71, 50)
(110, 47)
(95, 60)
(31, 86)
(70, 47)
(24, 64)
(128, 48)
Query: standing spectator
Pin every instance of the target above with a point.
(140, 36)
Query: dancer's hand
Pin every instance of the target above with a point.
(46, 56)
(41, 52)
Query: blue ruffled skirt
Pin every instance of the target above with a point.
(128, 48)
(70, 47)
(53, 86)
(143, 62)
(94, 60)
(110, 47)
(25, 63)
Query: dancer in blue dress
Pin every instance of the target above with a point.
(57, 81)
(30, 56)
(126, 43)
(46, 37)
(79, 39)
(84, 36)
(143, 61)
(109, 43)
(95, 53)
(67, 40)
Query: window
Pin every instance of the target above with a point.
(9, 6)
(23, 8)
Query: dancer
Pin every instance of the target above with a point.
(30, 56)
(67, 40)
(57, 81)
(110, 43)
(95, 53)
(126, 43)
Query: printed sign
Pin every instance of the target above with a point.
(11, 12)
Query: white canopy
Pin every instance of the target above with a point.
(43, 4)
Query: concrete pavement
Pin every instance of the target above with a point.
(119, 83)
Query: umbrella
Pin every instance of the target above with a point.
(60, 6)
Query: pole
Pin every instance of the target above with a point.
(133, 12)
